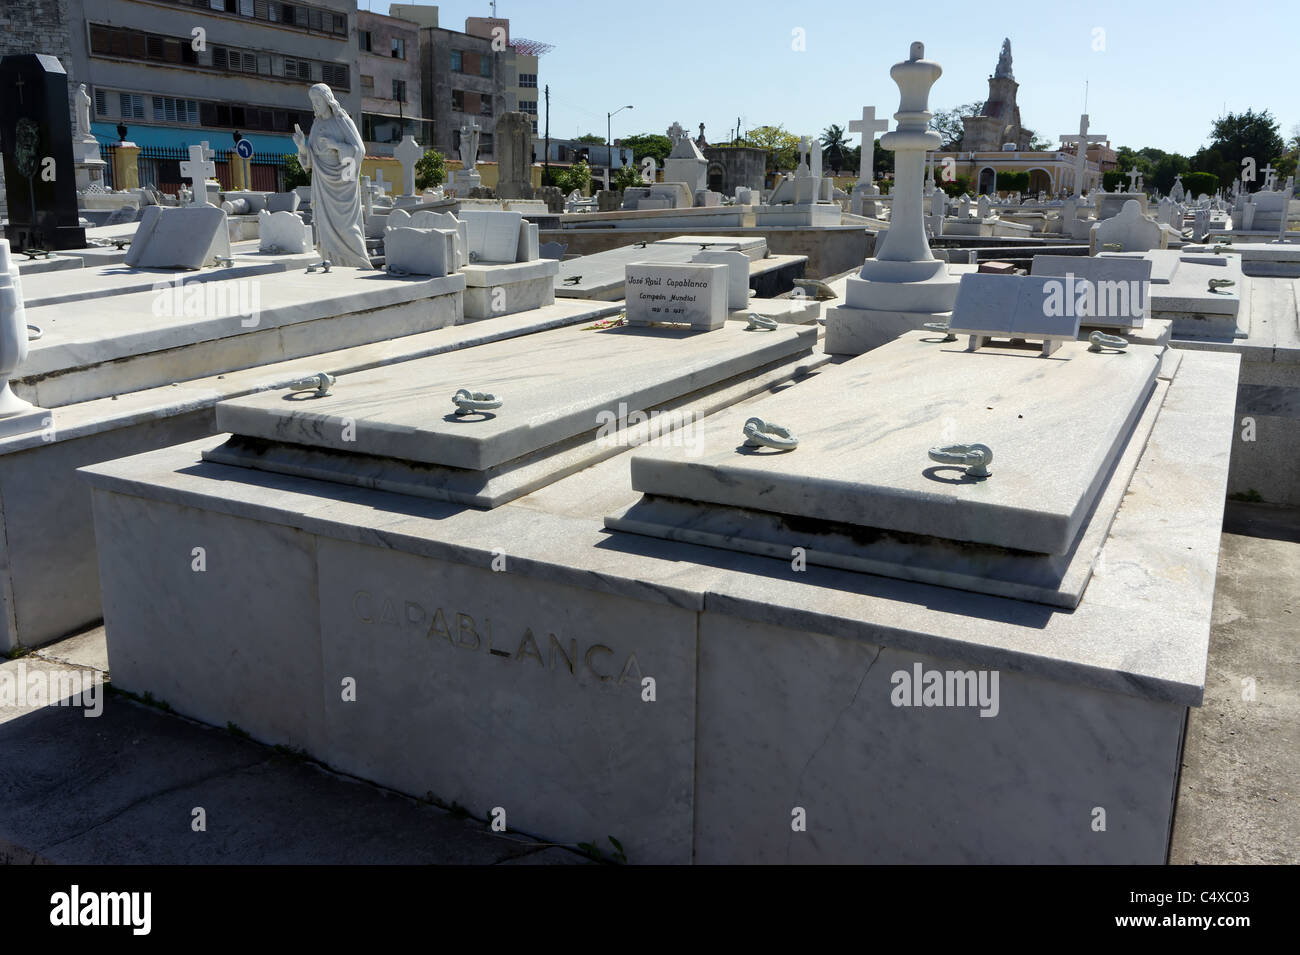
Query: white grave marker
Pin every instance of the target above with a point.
(868, 126)
(695, 294)
(198, 169)
(408, 153)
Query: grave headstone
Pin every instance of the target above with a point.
(694, 294)
(737, 276)
(283, 202)
(868, 126)
(1110, 291)
(198, 169)
(513, 141)
(412, 251)
(408, 153)
(428, 219)
(1130, 230)
(188, 238)
(686, 163)
(1013, 307)
(283, 232)
(39, 171)
(1081, 142)
(492, 236)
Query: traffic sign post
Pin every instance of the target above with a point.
(244, 149)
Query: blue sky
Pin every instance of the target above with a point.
(1163, 74)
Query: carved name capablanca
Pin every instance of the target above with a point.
(462, 631)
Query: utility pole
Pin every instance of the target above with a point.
(546, 158)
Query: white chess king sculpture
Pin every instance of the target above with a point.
(902, 286)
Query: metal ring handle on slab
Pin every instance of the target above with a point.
(34, 333)
(975, 458)
(468, 402)
(764, 434)
(760, 322)
(322, 266)
(1099, 340)
(1216, 284)
(948, 336)
(320, 383)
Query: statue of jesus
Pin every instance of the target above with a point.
(333, 154)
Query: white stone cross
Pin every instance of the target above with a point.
(803, 172)
(1133, 175)
(1082, 141)
(198, 169)
(407, 153)
(379, 182)
(1270, 177)
(868, 126)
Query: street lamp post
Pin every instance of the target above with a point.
(609, 141)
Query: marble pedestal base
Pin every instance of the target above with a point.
(902, 286)
(852, 331)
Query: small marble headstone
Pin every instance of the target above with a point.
(283, 202)
(186, 238)
(1131, 230)
(738, 274)
(694, 293)
(283, 232)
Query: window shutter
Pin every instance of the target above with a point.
(101, 103)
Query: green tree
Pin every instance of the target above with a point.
(947, 123)
(1198, 183)
(1240, 136)
(625, 176)
(1167, 169)
(577, 176)
(834, 147)
(294, 174)
(1110, 181)
(782, 146)
(430, 170)
(961, 186)
(592, 139)
(1041, 143)
(648, 144)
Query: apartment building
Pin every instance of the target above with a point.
(392, 95)
(473, 75)
(176, 72)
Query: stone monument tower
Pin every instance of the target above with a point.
(999, 121)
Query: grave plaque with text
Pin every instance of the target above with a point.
(694, 294)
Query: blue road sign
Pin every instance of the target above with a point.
(244, 148)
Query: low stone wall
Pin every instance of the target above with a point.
(830, 251)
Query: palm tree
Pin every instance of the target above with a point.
(834, 144)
